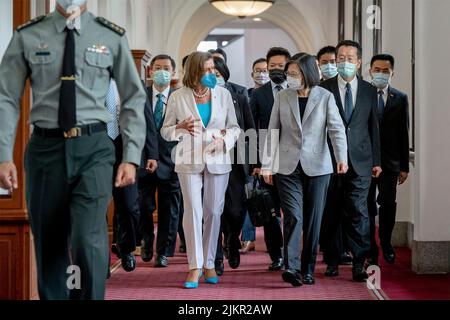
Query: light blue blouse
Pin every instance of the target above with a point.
(204, 109)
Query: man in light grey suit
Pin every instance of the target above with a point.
(304, 116)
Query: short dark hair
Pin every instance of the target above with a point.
(183, 62)
(260, 60)
(325, 50)
(350, 43)
(384, 57)
(308, 67)
(277, 51)
(222, 67)
(163, 57)
(298, 55)
(219, 51)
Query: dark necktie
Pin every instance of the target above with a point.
(67, 99)
(380, 105)
(158, 115)
(348, 102)
(278, 88)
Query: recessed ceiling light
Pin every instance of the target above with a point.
(257, 19)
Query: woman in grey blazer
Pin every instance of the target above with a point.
(303, 118)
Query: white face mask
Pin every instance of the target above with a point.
(68, 3)
(294, 83)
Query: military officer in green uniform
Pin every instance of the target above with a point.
(69, 158)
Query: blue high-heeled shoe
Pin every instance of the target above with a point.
(212, 280)
(193, 285)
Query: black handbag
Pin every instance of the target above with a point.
(260, 204)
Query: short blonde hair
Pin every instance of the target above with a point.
(193, 70)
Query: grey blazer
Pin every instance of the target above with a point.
(304, 141)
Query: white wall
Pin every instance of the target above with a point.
(6, 25)
(432, 187)
(258, 42)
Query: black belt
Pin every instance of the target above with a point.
(85, 130)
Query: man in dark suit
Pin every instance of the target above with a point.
(357, 103)
(126, 200)
(393, 114)
(163, 179)
(261, 104)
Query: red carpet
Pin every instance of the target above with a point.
(251, 281)
(399, 282)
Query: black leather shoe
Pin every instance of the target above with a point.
(146, 251)
(347, 259)
(182, 248)
(332, 271)
(276, 265)
(129, 262)
(293, 277)
(233, 254)
(218, 265)
(308, 279)
(234, 258)
(359, 274)
(115, 250)
(389, 255)
(161, 262)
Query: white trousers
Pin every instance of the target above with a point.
(201, 248)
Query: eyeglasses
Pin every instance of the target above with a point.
(292, 75)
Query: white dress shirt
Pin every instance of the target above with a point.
(165, 97)
(342, 89)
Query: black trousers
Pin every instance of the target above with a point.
(351, 209)
(234, 211)
(169, 208)
(331, 233)
(303, 201)
(126, 208)
(387, 194)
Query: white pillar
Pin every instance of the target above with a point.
(432, 183)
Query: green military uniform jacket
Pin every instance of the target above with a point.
(102, 52)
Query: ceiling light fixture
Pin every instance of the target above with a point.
(242, 8)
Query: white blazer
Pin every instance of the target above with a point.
(189, 156)
(305, 140)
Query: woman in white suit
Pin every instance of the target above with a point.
(201, 117)
(305, 116)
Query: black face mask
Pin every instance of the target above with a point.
(277, 76)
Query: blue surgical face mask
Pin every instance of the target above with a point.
(329, 70)
(381, 80)
(221, 81)
(346, 69)
(67, 3)
(209, 80)
(161, 78)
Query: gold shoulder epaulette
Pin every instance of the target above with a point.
(30, 23)
(114, 27)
